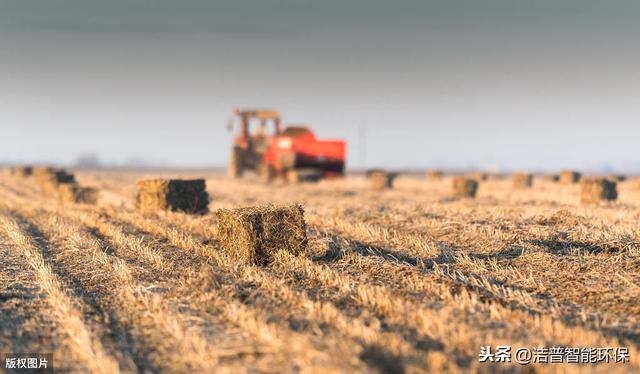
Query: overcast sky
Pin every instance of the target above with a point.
(514, 84)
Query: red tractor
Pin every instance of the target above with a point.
(293, 153)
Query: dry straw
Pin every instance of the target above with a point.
(75, 194)
(595, 190)
(465, 187)
(569, 177)
(522, 180)
(254, 235)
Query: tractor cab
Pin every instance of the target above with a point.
(256, 128)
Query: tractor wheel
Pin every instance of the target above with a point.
(235, 163)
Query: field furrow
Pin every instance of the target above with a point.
(78, 342)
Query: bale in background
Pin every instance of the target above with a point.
(465, 187)
(50, 179)
(254, 235)
(381, 180)
(75, 194)
(370, 172)
(188, 196)
(569, 177)
(522, 180)
(595, 190)
(435, 174)
(24, 171)
(551, 178)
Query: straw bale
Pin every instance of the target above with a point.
(595, 190)
(178, 195)
(465, 187)
(255, 234)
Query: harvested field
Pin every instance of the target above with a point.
(406, 281)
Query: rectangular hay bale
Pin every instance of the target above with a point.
(522, 180)
(75, 194)
(595, 190)
(50, 179)
(177, 195)
(381, 180)
(254, 235)
(23, 171)
(569, 177)
(465, 187)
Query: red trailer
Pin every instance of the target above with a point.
(293, 153)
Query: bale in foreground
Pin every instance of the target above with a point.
(569, 177)
(522, 180)
(177, 195)
(595, 190)
(465, 187)
(381, 180)
(75, 194)
(253, 235)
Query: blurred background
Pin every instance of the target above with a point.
(456, 84)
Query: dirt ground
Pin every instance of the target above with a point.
(405, 280)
